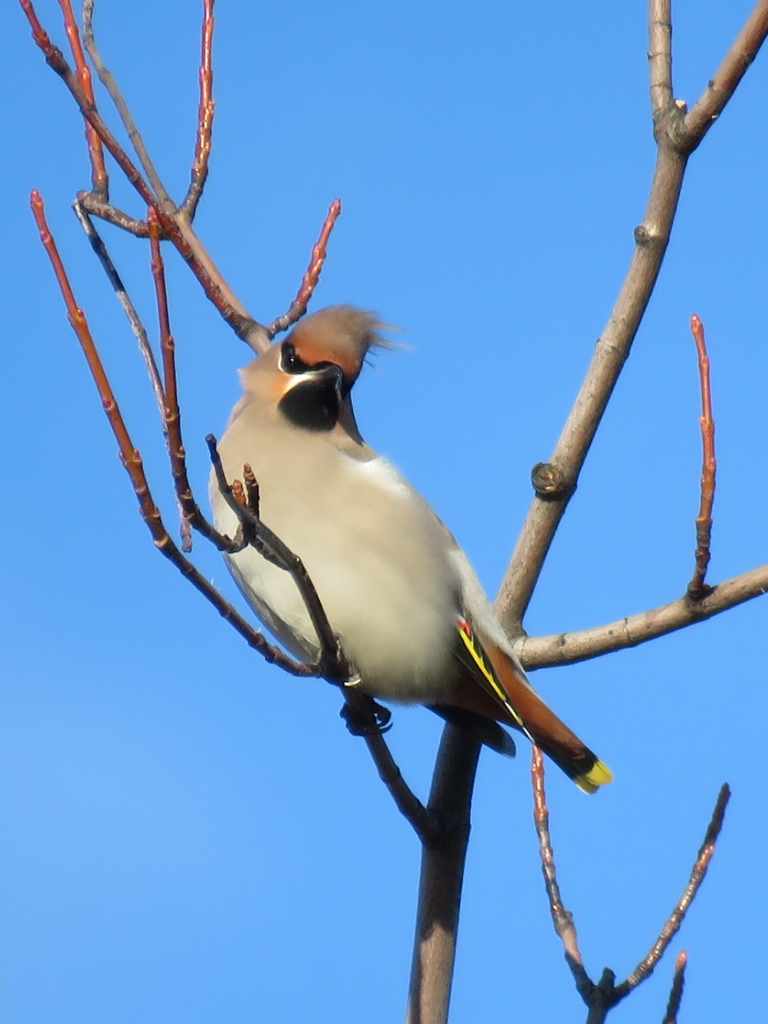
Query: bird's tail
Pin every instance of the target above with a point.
(506, 695)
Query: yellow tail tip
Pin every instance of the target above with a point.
(598, 775)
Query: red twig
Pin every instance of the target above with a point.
(205, 112)
(299, 305)
(99, 177)
(676, 993)
(561, 918)
(697, 588)
(240, 322)
(131, 459)
(190, 512)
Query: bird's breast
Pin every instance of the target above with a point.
(376, 553)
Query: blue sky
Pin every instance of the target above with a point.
(187, 834)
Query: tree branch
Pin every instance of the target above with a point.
(697, 588)
(676, 993)
(442, 874)
(677, 135)
(567, 648)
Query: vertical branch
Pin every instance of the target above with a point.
(676, 993)
(660, 55)
(205, 112)
(562, 919)
(697, 588)
(99, 177)
(442, 875)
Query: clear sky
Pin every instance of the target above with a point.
(187, 835)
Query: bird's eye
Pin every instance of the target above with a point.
(289, 361)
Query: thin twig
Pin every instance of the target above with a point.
(112, 215)
(676, 992)
(299, 305)
(132, 462)
(108, 81)
(99, 177)
(205, 114)
(567, 648)
(97, 244)
(603, 996)
(697, 588)
(646, 966)
(677, 136)
(562, 919)
(176, 229)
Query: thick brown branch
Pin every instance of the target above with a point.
(697, 588)
(567, 648)
(660, 55)
(205, 112)
(442, 874)
(299, 305)
(722, 86)
(677, 136)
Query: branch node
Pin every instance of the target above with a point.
(549, 482)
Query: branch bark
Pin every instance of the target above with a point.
(677, 136)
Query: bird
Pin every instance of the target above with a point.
(409, 610)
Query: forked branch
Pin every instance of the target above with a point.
(677, 136)
(603, 996)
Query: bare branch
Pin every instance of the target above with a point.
(97, 244)
(108, 81)
(299, 305)
(562, 919)
(719, 90)
(677, 136)
(205, 114)
(132, 462)
(176, 229)
(676, 994)
(697, 588)
(567, 648)
(99, 177)
(660, 55)
(442, 874)
(105, 211)
(603, 996)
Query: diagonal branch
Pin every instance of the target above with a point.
(567, 648)
(309, 282)
(677, 136)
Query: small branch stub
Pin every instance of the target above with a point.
(548, 481)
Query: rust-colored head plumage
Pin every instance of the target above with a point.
(338, 334)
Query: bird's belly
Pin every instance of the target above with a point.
(375, 554)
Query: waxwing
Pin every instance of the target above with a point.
(412, 616)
